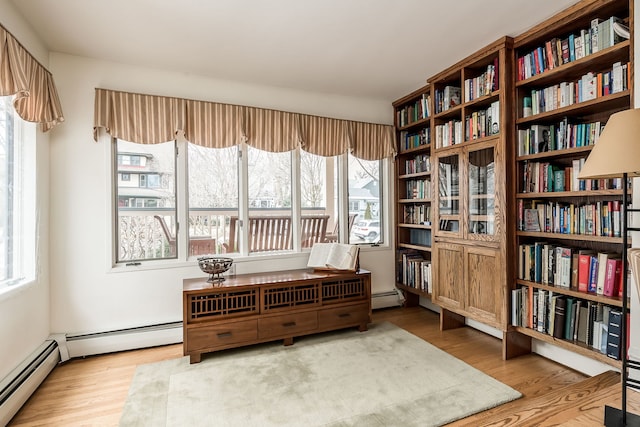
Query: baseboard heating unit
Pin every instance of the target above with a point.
(20, 384)
(392, 298)
(124, 339)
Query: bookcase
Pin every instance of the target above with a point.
(571, 73)
(414, 194)
(472, 164)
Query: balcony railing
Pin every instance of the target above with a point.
(141, 235)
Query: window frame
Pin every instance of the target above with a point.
(24, 216)
(182, 208)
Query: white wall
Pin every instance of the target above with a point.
(86, 295)
(24, 311)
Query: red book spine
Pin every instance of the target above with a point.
(584, 262)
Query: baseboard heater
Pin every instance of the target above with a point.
(81, 345)
(392, 298)
(20, 384)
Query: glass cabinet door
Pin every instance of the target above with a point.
(482, 193)
(449, 194)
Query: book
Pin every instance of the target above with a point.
(584, 264)
(559, 317)
(602, 269)
(614, 329)
(531, 220)
(333, 256)
(452, 96)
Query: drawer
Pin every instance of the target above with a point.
(350, 315)
(287, 325)
(221, 335)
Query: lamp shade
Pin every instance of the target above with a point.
(618, 148)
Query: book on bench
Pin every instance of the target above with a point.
(334, 256)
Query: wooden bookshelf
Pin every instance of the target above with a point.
(586, 111)
(476, 229)
(472, 162)
(413, 115)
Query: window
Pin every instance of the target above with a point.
(213, 198)
(17, 196)
(146, 217)
(125, 177)
(239, 200)
(365, 200)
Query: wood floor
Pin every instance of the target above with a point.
(92, 391)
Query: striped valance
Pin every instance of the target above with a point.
(36, 98)
(150, 119)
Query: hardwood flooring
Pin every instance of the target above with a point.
(92, 391)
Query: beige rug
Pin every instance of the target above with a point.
(383, 377)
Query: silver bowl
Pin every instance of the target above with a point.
(214, 266)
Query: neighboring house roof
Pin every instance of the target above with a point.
(149, 193)
(361, 193)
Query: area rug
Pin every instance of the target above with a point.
(382, 377)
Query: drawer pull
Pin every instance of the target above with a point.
(224, 334)
(289, 324)
(343, 315)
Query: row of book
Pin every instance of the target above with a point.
(582, 270)
(420, 163)
(601, 35)
(417, 214)
(420, 237)
(589, 86)
(413, 112)
(410, 140)
(447, 98)
(418, 189)
(482, 85)
(543, 138)
(413, 270)
(483, 122)
(601, 218)
(449, 133)
(545, 177)
(593, 324)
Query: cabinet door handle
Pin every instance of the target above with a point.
(224, 334)
(289, 324)
(343, 315)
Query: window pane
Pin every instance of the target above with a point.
(213, 198)
(365, 201)
(269, 201)
(318, 185)
(146, 223)
(17, 178)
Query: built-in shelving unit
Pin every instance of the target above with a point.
(578, 72)
(414, 194)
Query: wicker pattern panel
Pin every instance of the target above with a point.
(290, 296)
(224, 304)
(343, 290)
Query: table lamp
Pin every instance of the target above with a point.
(617, 155)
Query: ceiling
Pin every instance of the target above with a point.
(380, 49)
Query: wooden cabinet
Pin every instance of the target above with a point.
(253, 308)
(473, 169)
(562, 104)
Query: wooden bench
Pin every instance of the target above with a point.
(273, 233)
(197, 245)
(333, 236)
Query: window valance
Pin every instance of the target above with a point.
(22, 75)
(151, 119)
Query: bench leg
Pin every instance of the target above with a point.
(288, 341)
(195, 358)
